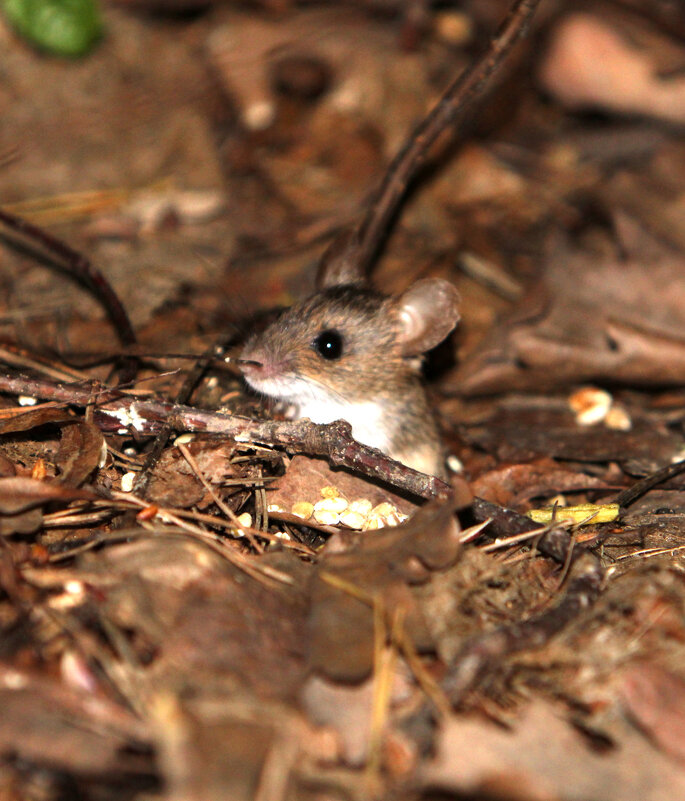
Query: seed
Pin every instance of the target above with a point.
(362, 505)
(618, 419)
(302, 509)
(590, 405)
(326, 517)
(353, 520)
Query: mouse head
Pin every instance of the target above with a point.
(349, 342)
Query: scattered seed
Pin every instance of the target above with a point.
(326, 517)
(353, 520)
(337, 504)
(362, 505)
(302, 509)
(102, 461)
(373, 522)
(590, 405)
(618, 418)
(395, 518)
(455, 464)
(383, 509)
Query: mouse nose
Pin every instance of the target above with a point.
(247, 364)
(255, 365)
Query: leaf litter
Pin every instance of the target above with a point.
(199, 640)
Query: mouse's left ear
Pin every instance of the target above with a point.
(426, 313)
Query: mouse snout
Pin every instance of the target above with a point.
(258, 366)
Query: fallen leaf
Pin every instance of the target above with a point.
(381, 565)
(510, 485)
(18, 493)
(655, 698)
(588, 318)
(589, 64)
(45, 722)
(544, 758)
(306, 477)
(27, 419)
(526, 431)
(79, 452)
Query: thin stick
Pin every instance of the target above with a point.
(79, 267)
(115, 410)
(362, 246)
(631, 494)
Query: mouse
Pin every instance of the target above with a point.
(351, 352)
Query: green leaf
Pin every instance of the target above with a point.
(63, 27)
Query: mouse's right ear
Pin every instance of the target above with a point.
(426, 313)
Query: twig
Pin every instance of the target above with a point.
(81, 268)
(356, 252)
(78, 266)
(115, 411)
(631, 494)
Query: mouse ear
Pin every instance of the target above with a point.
(426, 313)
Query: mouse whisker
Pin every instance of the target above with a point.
(330, 392)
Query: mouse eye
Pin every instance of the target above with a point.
(329, 344)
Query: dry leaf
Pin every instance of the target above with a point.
(544, 758)
(381, 565)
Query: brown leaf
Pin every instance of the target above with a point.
(32, 418)
(526, 431)
(44, 721)
(655, 698)
(346, 709)
(18, 493)
(543, 758)
(7, 467)
(22, 523)
(626, 79)
(381, 565)
(305, 477)
(214, 754)
(79, 452)
(234, 625)
(207, 620)
(587, 318)
(512, 484)
(175, 484)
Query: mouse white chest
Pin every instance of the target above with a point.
(369, 422)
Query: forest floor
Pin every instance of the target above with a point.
(213, 626)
